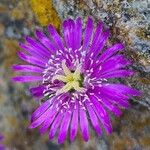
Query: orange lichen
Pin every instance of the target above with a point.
(45, 12)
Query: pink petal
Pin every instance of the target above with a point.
(64, 127)
(84, 125)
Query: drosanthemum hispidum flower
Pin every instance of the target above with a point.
(72, 73)
(2, 147)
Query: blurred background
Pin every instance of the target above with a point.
(129, 22)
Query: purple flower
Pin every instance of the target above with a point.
(72, 74)
(2, 147)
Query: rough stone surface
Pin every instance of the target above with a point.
(129, 22)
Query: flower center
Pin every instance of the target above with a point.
(72, 79)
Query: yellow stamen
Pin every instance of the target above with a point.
(77, 72)
(65, 68)
(75, 85)
(65, 89)
(59, 77)
(71, 79)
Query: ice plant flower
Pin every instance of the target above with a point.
(2, 147)
(72, 72)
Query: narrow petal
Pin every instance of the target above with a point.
(94, 119)
(114, 64)
(64, 127)
(27, 68)
(97, 33)
(66, 34)
(109, 105)
(40, 120)
(123, 89)
(33, 51)
(74, 124)
(56, 37)
(27, 78)
(32, 60)
(45, 41)
(100, 43)
(102, 115)
(115, 97)
(84, 125)
(55, 125)
(78, 31)
(110, 51)
(48, 121)
(37, 91)
(38, 46)
(73, 33)
(40, 110)
(117, 74)
(69, 33)
(88, 33)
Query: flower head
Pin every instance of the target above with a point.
(2, 147)
(72, 73)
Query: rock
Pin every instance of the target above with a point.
(2, 28)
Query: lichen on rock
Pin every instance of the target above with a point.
(45, 12)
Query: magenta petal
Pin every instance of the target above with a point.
(46, 124)
(45, 41)
(27, 78)
(124, 89)
(84, 125)
(37, 91)
(78, 31)
(110, 51)
(39, 47)
(102, 115)
(27, 68)
(94, 119)
(56, 37)
(114, 63)
(40, 35)
(100, 43)
(69, 33)
(97, 33)
(64, 127)
(34, 52)
(88, 33)
(103, 38)
(114, 96)
(40, 110)
(117, 74)
(40, 120)
(74, 125)
(31, 59)
(55, 125)
(111, 106)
